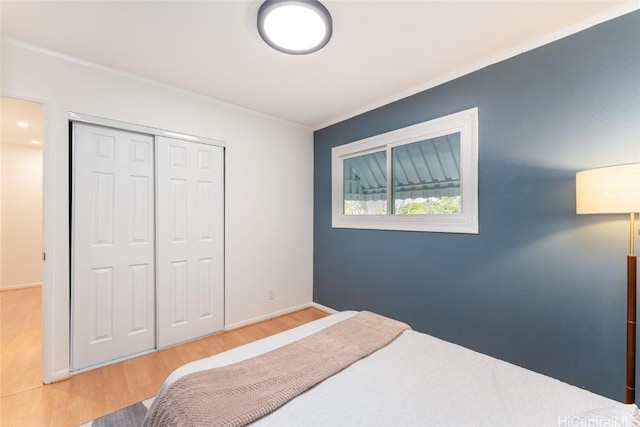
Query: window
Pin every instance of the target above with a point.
(429, 172)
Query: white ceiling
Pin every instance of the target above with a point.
(380, 50)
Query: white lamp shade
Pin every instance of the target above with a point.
(609, 190)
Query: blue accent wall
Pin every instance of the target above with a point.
(539, 286)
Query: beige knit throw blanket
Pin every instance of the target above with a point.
(237, 394)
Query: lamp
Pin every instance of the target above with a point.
(616, 190)
(297, 27)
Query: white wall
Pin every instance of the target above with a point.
(21, 194)
(269, 173)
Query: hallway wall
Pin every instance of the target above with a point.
(21, 236)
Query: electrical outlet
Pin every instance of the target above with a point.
(271, 294)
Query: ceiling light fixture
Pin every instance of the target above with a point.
(35, 142)
(296, 27)
(23, 124)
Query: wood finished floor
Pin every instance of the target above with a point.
(92, 394)
(20, 340)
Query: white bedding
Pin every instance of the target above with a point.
(419, 380)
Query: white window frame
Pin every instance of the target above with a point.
(464, 122)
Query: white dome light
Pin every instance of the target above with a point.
(294, 26)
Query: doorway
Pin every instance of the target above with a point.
(21, 187)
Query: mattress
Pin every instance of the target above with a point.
(419, 380)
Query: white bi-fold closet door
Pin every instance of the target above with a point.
(147, 243)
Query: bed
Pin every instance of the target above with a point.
(415, 380)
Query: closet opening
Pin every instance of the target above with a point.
(147, 240)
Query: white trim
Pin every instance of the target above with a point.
(324, 308)
(502, 56)
(115, 124)
(268, 316)
(20, 286)
(464, 122)
(59, 376)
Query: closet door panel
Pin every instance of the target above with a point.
(190, 233)
(113, 245)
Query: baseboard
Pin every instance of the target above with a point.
(22, 286)
(59, 376)
(323, 308)
(268, 316)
